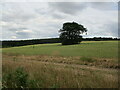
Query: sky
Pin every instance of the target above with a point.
(37, 20)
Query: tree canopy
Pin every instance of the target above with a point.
(70, 33)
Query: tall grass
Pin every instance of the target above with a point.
(51, 75)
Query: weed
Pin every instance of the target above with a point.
(55, 86)
(18, 78)
(14, 58)
(32, 83)
(87, 59)
(21, 77)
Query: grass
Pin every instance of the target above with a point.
(87, 59)
(101, 49)
(54, 75)
(91, 64)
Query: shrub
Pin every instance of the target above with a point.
(17, 78)
(20, 77)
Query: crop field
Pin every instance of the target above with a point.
(90, 64)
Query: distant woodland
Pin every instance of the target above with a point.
(14, 43)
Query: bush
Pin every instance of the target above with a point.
(21, 77)
(18, 78)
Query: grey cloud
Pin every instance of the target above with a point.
(46, 33)
(58, 16)
(16, 17)
(42, 11)
(46, 21)
(112, 29)
(24, 34)
(16, 29)
(67, 7)
(104, 5)
(119, 5)
(75, 7)
(16, 12)
(108, 29)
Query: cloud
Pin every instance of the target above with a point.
(68, 7)
(42, 20)
(73, 8)
(112, 29)
(17, 12)
(13, 37)
(104, 5)
(25, 33)
(58, 15)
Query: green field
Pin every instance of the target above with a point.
(101, 49)
(91, 64)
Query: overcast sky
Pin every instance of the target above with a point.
(35, 20)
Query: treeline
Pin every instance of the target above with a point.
(100, 39)
(13, 43)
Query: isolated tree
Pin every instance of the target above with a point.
(70, 33)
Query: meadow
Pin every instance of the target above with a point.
(90, 64)
(101, 49)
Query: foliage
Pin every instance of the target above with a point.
(15, 43)
(18, 78)
(70, 33)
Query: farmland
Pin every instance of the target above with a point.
(100, 49)
(91, 64)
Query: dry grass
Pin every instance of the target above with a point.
(63, 72)
(97, 62)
